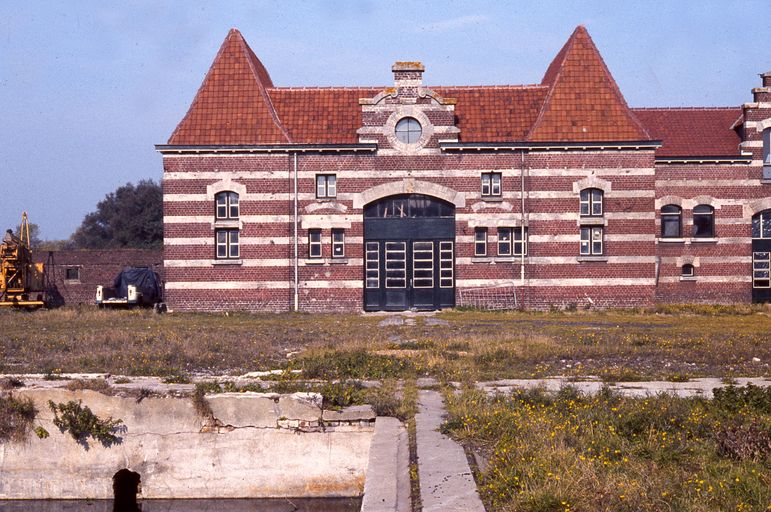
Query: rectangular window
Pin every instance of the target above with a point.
(314, 243)
(372, 271)
(591, 241)
(520, 241)
(480, 242)
(504, 241)
(338, 243)
(72, 274)
(326, 186)
(227, 244)
(226, 206)
(396, 264)
(761, 269)
(446, 271)
(491, 184)
(423, 264)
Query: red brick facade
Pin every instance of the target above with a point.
(74, 275)
(566, 161)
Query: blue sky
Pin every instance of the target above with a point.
(88, 87)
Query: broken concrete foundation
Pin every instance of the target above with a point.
(251, 445)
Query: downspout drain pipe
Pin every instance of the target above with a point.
(296, 275)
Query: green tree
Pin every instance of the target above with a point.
(132, 216)
(34, 235)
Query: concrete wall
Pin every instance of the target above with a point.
(258, 445)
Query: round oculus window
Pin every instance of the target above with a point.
(408, 130)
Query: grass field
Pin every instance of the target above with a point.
(673, 343)
(546, 453)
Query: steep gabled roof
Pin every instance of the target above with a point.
(232, 106)
(584, 102)
(693, 131)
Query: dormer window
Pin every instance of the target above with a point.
(408, 130)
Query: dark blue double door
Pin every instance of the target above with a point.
(409, 257)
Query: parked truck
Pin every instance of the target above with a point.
(132, 287)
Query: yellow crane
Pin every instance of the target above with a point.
(22, 281)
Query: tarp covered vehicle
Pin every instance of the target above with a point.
(134, 286)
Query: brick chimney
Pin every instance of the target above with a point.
(763, 94)
(408, 76)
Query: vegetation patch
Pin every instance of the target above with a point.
(354, 364)
(569, 451)
(78, 421)
(16, 417)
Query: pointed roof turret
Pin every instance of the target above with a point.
(232, 105)
(584, 103)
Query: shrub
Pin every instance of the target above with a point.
(99, 385)
(201, 405)
(732, 399)
(78, 420)
(744, 442)
(16, 417)
(352, 364)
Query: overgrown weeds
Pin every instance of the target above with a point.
(81, 423)
(16, 417)
(569, 451)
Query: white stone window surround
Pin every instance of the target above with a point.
(226, 185)
(401, 112)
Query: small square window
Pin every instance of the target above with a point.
(491, 184)
(338, 243)
(72, 274)
(326, 186)
(480, 242)
(314, 243)
(688, 270)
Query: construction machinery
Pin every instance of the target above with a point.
(22, 281)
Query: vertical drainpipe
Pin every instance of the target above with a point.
(296, 252)
(522, 220)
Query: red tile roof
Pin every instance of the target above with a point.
(495, 113)
(584, 102)
(577, 100)
(692, 131)
(232, 105)
(328, 115)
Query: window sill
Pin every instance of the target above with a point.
(712, 240)
(227, 262)
(592, 221)
(481, 259)
(492, 199)
(72, 281)
(314, 261)
(329, 199)
(509, 259)
(325, 261)
(663, 240)
(687, 278)
(338, 261)
(765, 182)
(602, 259)
(227, 223)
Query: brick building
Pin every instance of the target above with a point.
(74, 275)
(410, 196)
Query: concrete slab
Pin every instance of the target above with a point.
(694, 387)
(446, 482)
(387, 481)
